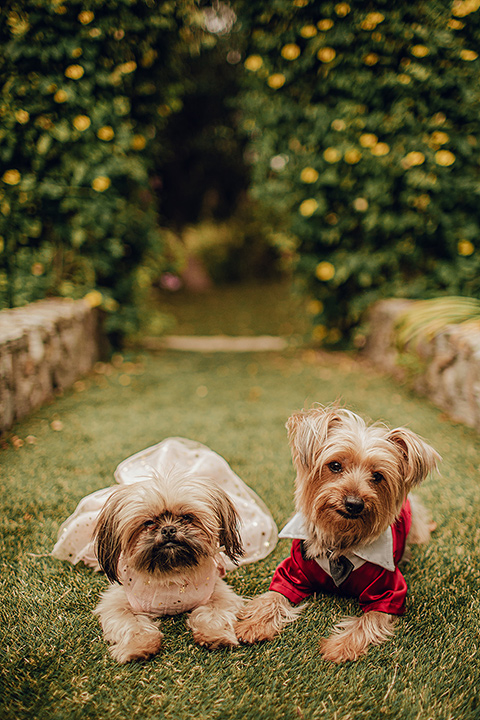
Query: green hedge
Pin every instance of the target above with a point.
(88, 88)
(364, 127)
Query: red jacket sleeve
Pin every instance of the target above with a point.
(384, 592)
(290, 580)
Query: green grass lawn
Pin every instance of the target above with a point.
(54, 661)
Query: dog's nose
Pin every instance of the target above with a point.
(353, 505)
(169, 531)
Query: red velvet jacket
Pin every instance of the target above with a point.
(376, 588)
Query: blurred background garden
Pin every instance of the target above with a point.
(157, 154)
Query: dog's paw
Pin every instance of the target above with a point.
(138, 647)
(213, 641)
(336, 650)
(249, 632)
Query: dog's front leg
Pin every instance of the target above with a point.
(265, 616)
(130, 636)
(213, 624)
(352, 636)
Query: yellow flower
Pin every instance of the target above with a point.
(60, 96)
(372, 20)
(420, 51)
(465, 247)
(101, 183)
(308, 31)
(380, 149)
(339, 124)
(81, 122)
(314, 307)
(404, 79)
(352, 156)
(342, 9)
(360, 204)
(105, 133)
(325, 24)
(414, 158)
(468, 55)
(22, 116)
(368, 140)
(86, 17)
(444, 157)
(253, 63)
(319, 332)
(74, 72)
(309, 175)
(77, 52)
(324, 271)
(93, 298)
(138, 142)
(300, 3)
(370, 59)
(308, 207)
(331, 155)
(127, 67)
(326, 54)
(276, 81)
(461, 8)
(439, 137)
(290, 51)
(11, 177)
(60, 10)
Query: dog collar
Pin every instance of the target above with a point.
(379, 552)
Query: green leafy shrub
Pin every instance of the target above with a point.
(364, 127)
(87, 91)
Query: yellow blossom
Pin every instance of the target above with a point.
(414, 158)
(461, 8)
(290, 51)
(74, 72)
(11, 177)
(127, 67)
(319, 332)
(368, 140)
(352, 156)
(105, 133)
(339, 125)
(93, 298)
(380, 149)
(465, 247)
(308, 31)
(253, 63)
(138, 142)
(444, 157)
(308, 207)
(420, 51)
(342, 9)
(326, 54)
(325, 24)
(101, 183)
(360, 204)
(331, 155)
(276, 81)
(60, 10)
(371, 59)
(439, 137)
(77, 52)
(325, 271)
(404, 79)
(60, 96)
(81, 122)
(300, 3)
(314, 307)
(456, 24)
(86, 17)
(468, 55)
(372, 20)
(309, 175)
(22, 116)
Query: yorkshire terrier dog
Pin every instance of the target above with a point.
(158, 541)
(354, 521)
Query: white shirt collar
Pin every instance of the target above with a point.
(379, 552)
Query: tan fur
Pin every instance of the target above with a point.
(134, 525)
(339, 458)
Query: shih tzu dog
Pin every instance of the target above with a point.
(159, 543)
(354, 521)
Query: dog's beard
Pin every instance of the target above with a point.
(169, 556)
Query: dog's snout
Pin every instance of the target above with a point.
(354, 505)
(169, 532)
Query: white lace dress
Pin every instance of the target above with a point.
(257, 527)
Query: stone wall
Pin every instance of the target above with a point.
(44, 347)
(446, 368)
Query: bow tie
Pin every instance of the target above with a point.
(340, 568)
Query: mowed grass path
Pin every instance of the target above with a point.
(54, 662)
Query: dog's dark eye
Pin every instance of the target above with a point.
(187, 517)
(149, 523)
(335, 466)
(377, 477)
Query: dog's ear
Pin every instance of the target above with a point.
(418, 457)
(308, 431)
(229, 521)
(107, 537)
